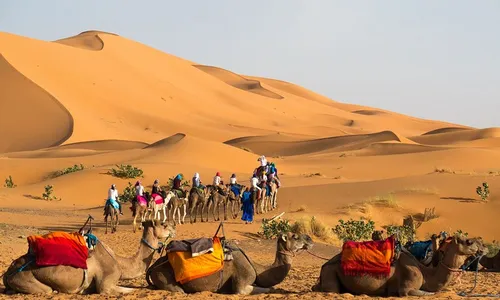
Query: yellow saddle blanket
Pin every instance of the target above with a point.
(187, 268)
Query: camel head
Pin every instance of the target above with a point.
(469, 246)
(293, 242)
(160, 231)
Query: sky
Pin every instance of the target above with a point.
(425, 58)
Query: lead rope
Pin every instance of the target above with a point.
(469, 293)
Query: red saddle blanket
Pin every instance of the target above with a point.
(368, 258)
(59, 248)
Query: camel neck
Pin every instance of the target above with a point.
(447, 269)
(135, 266)
(275, 273)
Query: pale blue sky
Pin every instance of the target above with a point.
(427, 58)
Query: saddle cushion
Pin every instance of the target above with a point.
(420, 249)
(367, 258)
(187, 268)
(59, 248)
(142, 201)
(157, 198)
(236, 190)
(112, 202)
(178, 193)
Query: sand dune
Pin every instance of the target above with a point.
(88, 40)
(456, 136)
(100, 99)
(31, 117)
(238, 81)
(289, 147)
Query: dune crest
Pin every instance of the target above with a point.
(31, 117)
(88, 40)
(457, 136)
(238, 81)
(166, 142)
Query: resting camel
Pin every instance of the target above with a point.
(217, 200)
(197, 201)
(105, 269)
(234, 201)
(139, 210)
(491, 264)
(239, 275)
(408, 277)
(113, 214)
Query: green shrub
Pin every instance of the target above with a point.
(47, 195)
(184, 183)
(459, 232)
(272, 228)
(403, 233)
(484, 191)
(493, 248)
(9, 183)
(128, 193)
(72, 169)
(353, 230)
(126, 171)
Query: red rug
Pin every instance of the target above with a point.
(59, 248)
(368, 258)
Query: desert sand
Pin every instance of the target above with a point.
(99, 99)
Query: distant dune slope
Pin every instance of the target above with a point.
(269, 147)
(238, 81)
(88, 40)
(31, 117)
(449, 137)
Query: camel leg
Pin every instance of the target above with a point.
(416, 293)
(164, 214)
(123, 290)
(185, 213)
(106, 221)
(225, 210)
(26, 283)
(329, 281)
(179, 214)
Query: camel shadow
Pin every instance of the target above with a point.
(460, 199)
(250, 235)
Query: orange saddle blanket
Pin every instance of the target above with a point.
(187, 268)
(59, 248)
(367, 258)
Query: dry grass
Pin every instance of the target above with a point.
(301, 208)
(313, 175)
(418, 190)
(315, 228)
(388, 200)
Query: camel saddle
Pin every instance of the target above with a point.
(59, 248)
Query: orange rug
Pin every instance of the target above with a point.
(187, 268)
(59, 248)
(367, 258)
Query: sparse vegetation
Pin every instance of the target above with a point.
(301, 208)
(314, 227)
(459, 232)
(418, 190)
(126, 171)
(483, 191)
(184, 183)
(128, 193)
(9, 183)
(404, 234)
(493, 248)
(429, 214)
(353, 230)
(272, 228)
(47, 195)
(72, 169)
(388, 200)
(313, 174)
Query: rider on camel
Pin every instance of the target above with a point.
(233, 185)
(217, 184)
(177, 185)
(113, 198)
(156, 190)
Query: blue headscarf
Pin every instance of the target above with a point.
(178, 177)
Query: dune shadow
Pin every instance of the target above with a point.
(461, 199)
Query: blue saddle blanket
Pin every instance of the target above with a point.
(420, 249)
(112, 202)
(235, 189)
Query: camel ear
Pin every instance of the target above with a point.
(283, 237)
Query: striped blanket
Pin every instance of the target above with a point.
(59, 248)
(187, 268)
(371, 258)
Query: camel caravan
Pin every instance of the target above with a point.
(80, 263)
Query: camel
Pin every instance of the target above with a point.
(408, 277)
(163, 207)
(197, 201)
(217, 200)
(113, 214)
(234, 201)
(239, 275)
(104, 271)
(139, 210)
(491, 264)
(176, 204)
(273, 198)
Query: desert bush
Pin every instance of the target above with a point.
(353, 230)
(483, 191)
(47, 195)
(9, 183)
(493, 248)
(184, 182)
(313, 227)
(404, 234)
(459, 232)
(128, 193)
(72, 169)
(272, 228)
(126, 171)
(429, 214)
